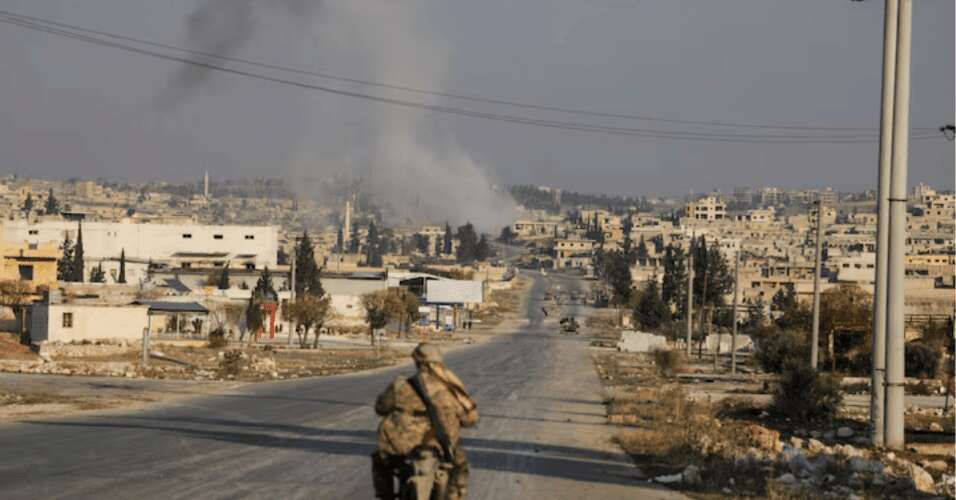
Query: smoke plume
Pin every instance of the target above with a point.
(408, 160)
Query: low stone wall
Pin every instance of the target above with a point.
(99, 369)
(60, 350)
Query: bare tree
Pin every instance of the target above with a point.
(225, 316)
(14, 294)
(309, 311)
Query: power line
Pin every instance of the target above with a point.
(449, 95)
(624, 131)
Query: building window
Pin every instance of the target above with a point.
(67, 320)
(217, 236)
(187, 236)
(33, 232)
(26, 273)
(250, 266)
(250, 237)
(187, 265)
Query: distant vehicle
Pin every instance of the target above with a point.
(569, 325)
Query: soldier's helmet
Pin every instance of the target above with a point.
(426, 353)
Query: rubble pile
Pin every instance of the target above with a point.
(808, 467)
(233, 363)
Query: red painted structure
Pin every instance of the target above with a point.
(269, 308)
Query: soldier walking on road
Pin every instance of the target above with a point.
(406, 424)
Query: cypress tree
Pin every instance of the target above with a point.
(446, 247)
(306, 270)
(97, 275)
(354, 239)
(77, 271)
(641, 252)
(482, 249)
(64, 266)
(28, 203)
(122, 267)
(467, 244)
(373, 251)
(674, 284)
(224, 278)
(52, 205)
(264, 289)
(651, 311)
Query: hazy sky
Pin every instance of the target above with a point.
(71, 109)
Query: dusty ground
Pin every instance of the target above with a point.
(541, 435)
(668, 424)
(112, 375)
(25, 396)
(11, 348)
(504, 304)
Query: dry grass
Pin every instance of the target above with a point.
(669, 362)
(11, 348)
(32, 398)
(288, 362)
(503, 303)
(665, 430)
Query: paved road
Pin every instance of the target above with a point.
(541, 435)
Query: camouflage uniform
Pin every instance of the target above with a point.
(405, 426)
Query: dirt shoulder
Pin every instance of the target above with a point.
(25, 396)
(504, 305)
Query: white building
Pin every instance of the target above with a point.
(70, 322)
(179, 245)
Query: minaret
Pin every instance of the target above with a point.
(347, 224)
(205, 184)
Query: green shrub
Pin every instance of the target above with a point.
(231, 363)
(807, 395)
(668, 361)
(922, 361)
(775, 349)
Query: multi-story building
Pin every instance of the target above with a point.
(573, 253)
(177, 245)
(708, 208)
(828, 197)
(534, 228)
(744, 196)
(34, 263)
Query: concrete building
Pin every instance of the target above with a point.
(178, 245)
(534, 228)
(573, 253)
(708, 208)
(34, 263)
(744, 195)
(56, 321)
(757, 216)
(829, 197)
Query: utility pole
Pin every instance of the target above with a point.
(710, 328)
(733, 334)
(145, 345)
(878, 374)
(690, 299)
(815, 335)
(896, 259)
(293, 325)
